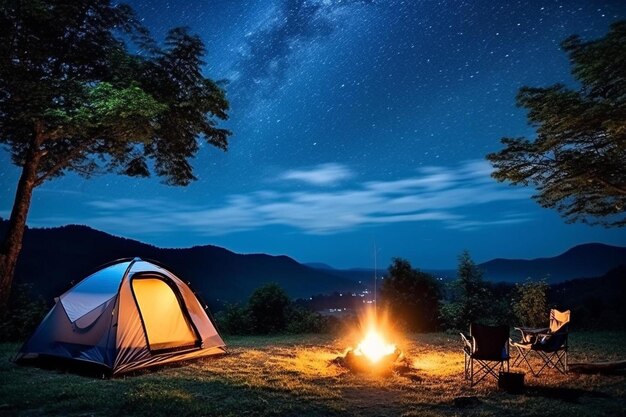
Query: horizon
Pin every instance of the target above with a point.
(356, 126)
(382, 266)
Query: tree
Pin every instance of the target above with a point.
(268, 309)
(411, 296)
(473, 299)
(531, 303)
(85, 89)
(578, 159)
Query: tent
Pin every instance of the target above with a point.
(130, 314)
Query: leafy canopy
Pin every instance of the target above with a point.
(473, 300)
(577, 162)
(268, 307)
(411, 296)
(531, 303)
(86, 80)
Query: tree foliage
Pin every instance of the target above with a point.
(473, 300)
(411, 296)
(67, 66)
(531, 303)
(25, 313)
(269, 311)
(577, 161)
(85, 89)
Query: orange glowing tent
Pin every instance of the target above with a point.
(130, 314)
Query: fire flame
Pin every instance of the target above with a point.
(374, 347)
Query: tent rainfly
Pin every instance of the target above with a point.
(129, 315)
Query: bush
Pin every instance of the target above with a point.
(24, 314)
(302, 320)
(267, 308)
(473, 299)
(269, 311)
(531, 303)
(449, 314)
(234, 319)
(411, 296)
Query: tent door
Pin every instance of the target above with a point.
(165, 320)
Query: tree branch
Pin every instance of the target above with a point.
(62, 163)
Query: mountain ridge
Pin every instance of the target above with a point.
(576, 262)
(580, 261)
(54, 258)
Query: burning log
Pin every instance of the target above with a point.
(361, 363)
(372, 355)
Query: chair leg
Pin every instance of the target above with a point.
(546, 362)
(521, 353)
(556, 360)
(560, 362)
(485, 369)
(523, 356)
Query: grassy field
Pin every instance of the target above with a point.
(292, 376)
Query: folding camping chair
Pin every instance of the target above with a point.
(550, 344)
(487, 349)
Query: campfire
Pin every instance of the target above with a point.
(374, 347)
(374, 353)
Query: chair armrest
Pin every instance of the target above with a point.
(530, 334)
(467, 343)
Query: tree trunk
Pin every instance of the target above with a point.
(10, 248)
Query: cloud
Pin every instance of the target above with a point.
(434, 194)
(325, 174)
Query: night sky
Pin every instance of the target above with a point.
(356, 123)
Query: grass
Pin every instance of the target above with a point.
(291, 376)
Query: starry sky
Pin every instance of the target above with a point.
(357, 124)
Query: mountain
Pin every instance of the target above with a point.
(52, 259)
(588, 260)
(595, 303)
(318, 265)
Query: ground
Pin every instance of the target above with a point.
(292, 376)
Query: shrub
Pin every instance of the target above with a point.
(411, 296)
(267, 308)
(234, 319)
(302, 320)
(531, 303)
(23, 316)
(473, 299)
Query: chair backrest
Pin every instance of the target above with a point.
(558, 320)
(491, 341)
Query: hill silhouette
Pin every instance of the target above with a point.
(587, 260)
(53, 259)
(596, 303)
(582, 261)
